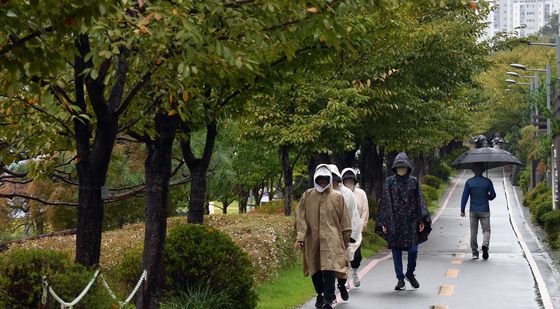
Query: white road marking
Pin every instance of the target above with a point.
(543, 291)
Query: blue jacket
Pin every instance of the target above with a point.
(481, 190)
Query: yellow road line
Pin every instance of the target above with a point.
(440, 307)
(457, 261)
(446, 290)
(452, 273)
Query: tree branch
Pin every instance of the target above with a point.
(20, 41)
(37, 199)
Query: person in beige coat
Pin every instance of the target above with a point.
(323, 232)
(350, 180)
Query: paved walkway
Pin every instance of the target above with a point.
(519, 273)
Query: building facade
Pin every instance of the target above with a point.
(520, 17)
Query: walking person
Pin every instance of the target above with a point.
(480, 190)
(350, 180)
(323, 232)
(354, 215)
(403, 219)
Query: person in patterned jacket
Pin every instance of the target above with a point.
(403, 219)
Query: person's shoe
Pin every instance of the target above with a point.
(343, 292)
(410, 278)
(485, 252)
(328, 305)
(319, 302)
(355, 278)
(475, 255)
(400, 285)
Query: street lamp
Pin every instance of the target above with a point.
(522, 67)
(512, 81)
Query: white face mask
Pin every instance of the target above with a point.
(322, 171)
(401, 171)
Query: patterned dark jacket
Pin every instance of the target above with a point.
(401, 211)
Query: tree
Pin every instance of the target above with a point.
(89, 50)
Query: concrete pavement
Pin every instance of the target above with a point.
(520, 272)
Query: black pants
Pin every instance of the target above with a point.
(323, 281)
(357, 258)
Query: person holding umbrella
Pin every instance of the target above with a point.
(480, 190)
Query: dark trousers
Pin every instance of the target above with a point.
(357, 258)
(323, 281)
(397, 260)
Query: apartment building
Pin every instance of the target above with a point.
(523, 17)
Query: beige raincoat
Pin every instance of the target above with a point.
(323, 225)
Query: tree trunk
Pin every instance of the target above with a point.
(243, 199)
(157, 169)
(198, 168)
(389, 161)
(344, 160)
(258, 193)
(367, 168)
(287, 173)
(378, 175)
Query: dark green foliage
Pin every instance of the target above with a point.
(539, 201)
(130, 269)
(21, 285)
(440, 169)
(197, 298)
(552, 227)
(541, 209)
(431, 181)
(525, 180)
(198, 256)
(368, 236)
(430, 193)
(448, 158)
(373, 207)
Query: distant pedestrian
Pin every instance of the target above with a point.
(480, 190)
(323, 232)
(403, 219)
(354, 215)
(350, 180)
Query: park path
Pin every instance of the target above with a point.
(520, 272)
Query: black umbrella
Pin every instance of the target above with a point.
(491, 157)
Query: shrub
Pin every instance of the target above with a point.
(431, 181)
(198, 298)
(368, 236)
(21, 284)
(524, 180)
(430, 193)
(197, 256)
(552, 227)
(540, 189)
(272, 207)
(540, 210)
(440, 169)
(373, 207)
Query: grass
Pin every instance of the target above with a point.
(435, 204)
(291, 289)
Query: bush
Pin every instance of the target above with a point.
(525, 180)
(540, 210)
(430, 193)
(199, 298)
(368, 236)
(272, 207)
(431, 181)
(540, 189)
(552, 227)
(197, 256)
(440, 169)
(21, 284)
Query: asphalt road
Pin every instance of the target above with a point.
(520, 272)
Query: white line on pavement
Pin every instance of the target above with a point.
(543, 291)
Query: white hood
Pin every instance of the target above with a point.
(334, 170)
(322, 170)
(350, 171)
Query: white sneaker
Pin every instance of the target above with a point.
(355, 279)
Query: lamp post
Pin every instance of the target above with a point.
(554, 177)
